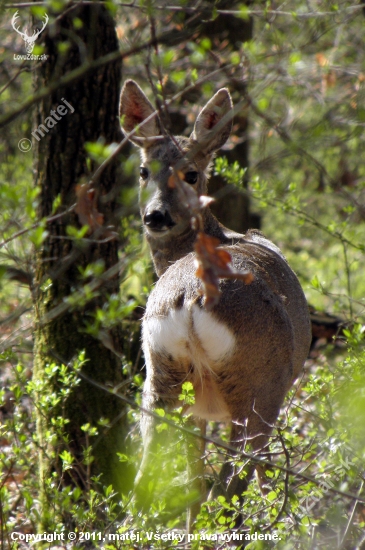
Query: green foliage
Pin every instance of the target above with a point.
(233, 174)
(99, 151)
(301, 83)
(187, 394)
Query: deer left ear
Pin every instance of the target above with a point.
(138, 114)
(210, 129)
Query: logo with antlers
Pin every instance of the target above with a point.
(29, 40)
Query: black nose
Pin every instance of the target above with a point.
(158, 220)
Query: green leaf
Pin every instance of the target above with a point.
(272, 496)
(244, 12)
(38, 236)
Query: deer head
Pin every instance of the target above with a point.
(29, 40)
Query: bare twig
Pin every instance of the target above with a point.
(286, 485)
(170, 36)
(283, 134)
(194, 10)
(13, 78)
(348, 277)
(252, 457)
(37, 224)
(351, 518)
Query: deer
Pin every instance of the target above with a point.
(29, 40)
(241, 355)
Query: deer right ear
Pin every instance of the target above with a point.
(137, 114)
(214, 123)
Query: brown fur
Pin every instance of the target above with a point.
(267, 321)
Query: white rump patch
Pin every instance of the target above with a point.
(192, 333)
(216, 339)
(168, 333)
(194, 337)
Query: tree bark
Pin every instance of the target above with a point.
(61, 164)
(232, 206)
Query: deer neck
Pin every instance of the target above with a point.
(167, 250)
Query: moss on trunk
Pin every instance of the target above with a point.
(61, 164)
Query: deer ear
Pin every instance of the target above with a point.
(211, 130)
(134, 110)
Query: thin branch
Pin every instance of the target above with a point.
(360, 545)
(170, 37)
(93, 286)
(205, 11)
(286, 485)
(283, 134)
(37, 224)
(351, 518)
(112, 156)
(348, 278)
(297, 212)
(81, 3)
(70, 77)
(270, 12)
(127, 137)
(13, 78)
(15, 274)
(220, 444)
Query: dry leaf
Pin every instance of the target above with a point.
(213, 263)
(175, 177)
(86, 207)
(321, 59)
(120, 32)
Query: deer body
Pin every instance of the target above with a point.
(243, 355)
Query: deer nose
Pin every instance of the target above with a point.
(158, 220)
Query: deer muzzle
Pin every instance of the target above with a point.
(158, 220)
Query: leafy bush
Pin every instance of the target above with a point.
(300, 81)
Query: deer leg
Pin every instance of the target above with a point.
(161, 391)
(253, 429)
(150, 446)
(234, 478)
(195, 454)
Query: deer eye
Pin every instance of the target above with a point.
(143, 172)
(191, 177)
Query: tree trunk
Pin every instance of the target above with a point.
(232, 206)
(61, 164)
